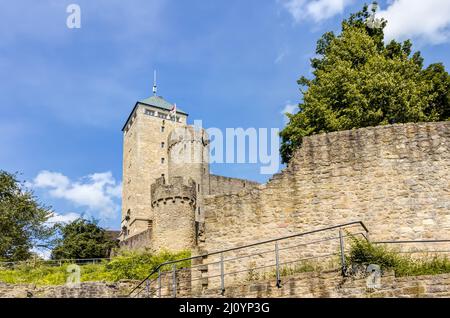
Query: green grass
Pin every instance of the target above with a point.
(364, 253)
(128, 265)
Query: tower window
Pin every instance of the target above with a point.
(162, 128)
(150, 112)
(163, 160)
(162, 144)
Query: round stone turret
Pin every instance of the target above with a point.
(188, 153)
(174, 205)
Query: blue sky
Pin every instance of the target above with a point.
(65, 93)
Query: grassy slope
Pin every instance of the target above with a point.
(125, 266)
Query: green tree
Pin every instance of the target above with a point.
(82, 239)
(22, 220)
(360, 81)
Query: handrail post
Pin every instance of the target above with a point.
(174, 280)
(159, 283)
(222, 274)
(277, 264)
(341, 243)
(148, 288)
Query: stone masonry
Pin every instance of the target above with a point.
(302, 285)
(396, 179)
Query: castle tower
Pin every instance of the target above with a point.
(145, 159)
(165, 178)
(188, 152)
(174, 214)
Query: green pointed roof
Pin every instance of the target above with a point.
(160, 102)
(155, 101)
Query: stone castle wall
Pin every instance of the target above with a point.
(303, 285)
(139, 241)
(396, 179)
(82, 290)
(226, 185)
(332, 285)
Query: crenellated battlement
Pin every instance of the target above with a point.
(178, 189)
(188, 134)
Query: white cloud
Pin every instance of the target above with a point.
(98, 192)
(63, 218)
(317, 10)
(428, 21)
(47, 179)
(289, 108)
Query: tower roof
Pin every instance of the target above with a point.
(160, 102)
(155, 101)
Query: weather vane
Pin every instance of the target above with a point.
(155, 88)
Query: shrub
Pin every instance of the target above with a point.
(133, 265)
(365, 253)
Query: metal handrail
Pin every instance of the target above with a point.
(411, 242)
(251, 245)
(58, 261)
(158, 289)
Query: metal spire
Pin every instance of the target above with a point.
(155, 88)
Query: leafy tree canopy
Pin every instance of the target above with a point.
(360, 81)
(22, 220)
(82, 239)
